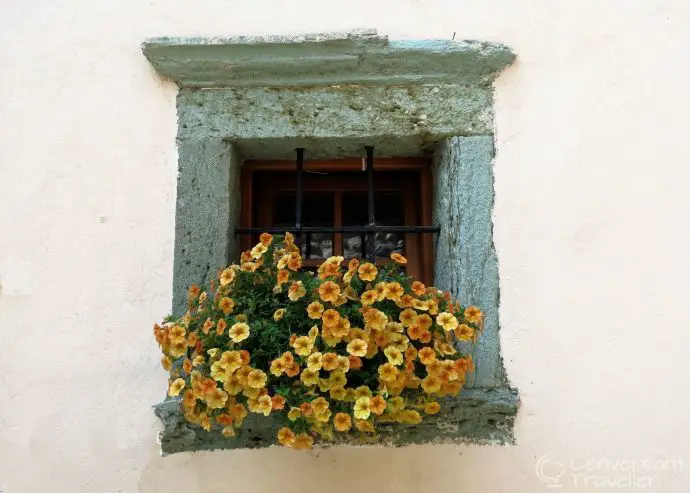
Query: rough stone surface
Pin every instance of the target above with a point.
(360, 57)
(206, 213)
(466, 262)
(477, 415)
(335, 122)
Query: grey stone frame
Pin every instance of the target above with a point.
(333, 94)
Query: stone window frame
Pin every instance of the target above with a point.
(261, 97)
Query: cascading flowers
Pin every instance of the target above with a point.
(333, 353)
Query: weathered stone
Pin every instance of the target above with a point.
(324, 60)
(206, 213)
(335, 122)
(466, 263)
(477, 416)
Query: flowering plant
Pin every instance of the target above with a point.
(341, 350)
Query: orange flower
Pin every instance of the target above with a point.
(282, 277)
(425, 337)
(329, 291)
(415, 331)
(473, 315)
(418, 288)
(266, 239)
(220, 326)
(193, 292)
(353, 265)
(295, 261)
(399, 259)
(224, 419)
(464, 332)
(306, 409)
(314, 310)
(342, 422)
(226, 304)
(278, 402)
(432, 407)
(256, 379)
(426, 355)
(330, 318)
(377, 405)
(286, 436)
(367, 271)
(355, 362)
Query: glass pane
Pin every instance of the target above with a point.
(317, 210)
(389, 211)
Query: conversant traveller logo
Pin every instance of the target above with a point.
(616, 473)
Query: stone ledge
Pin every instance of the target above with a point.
(359, 57)
(479, 416)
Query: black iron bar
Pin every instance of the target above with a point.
(298, 194)
(371, 240)
(343, 229)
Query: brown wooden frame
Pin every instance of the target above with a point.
(418, 247)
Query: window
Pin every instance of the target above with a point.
(335, 197)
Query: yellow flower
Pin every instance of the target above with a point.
(286, 436)
(294, 413)
(410, 416)
(361, 408)
(398, 259)
(319, 405)
(314, 361)
(473, 315)
(342, 422)
(296, 291)
(226, 304)
(344, 363)
(302, 442)
(309, 377)
(337, 393)
(256, 379)
(369, 297)
(264, 405)
(226, 277)
(337, 379)
(258, 250)
(279, 314)
(166, 363)
(432, 407)
(329, 361)
(329, 291)
(357, 347)
(393, 291)
(362, 391)
(303, 345)
(431, 384)
(176, 387)
(314, 310)
(447, 321)
(464, 332)
(215, 399)
(394, 355)
(388, 372)
(367, 271)
(239, 332)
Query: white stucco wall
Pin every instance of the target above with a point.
(592, 227)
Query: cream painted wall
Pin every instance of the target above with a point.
(592, 226)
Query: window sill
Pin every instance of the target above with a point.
(478, 416)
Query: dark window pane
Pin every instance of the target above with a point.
(317, 210)
(389, 211)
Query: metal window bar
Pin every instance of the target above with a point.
(369, 231)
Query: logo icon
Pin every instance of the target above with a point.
(550, 471)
